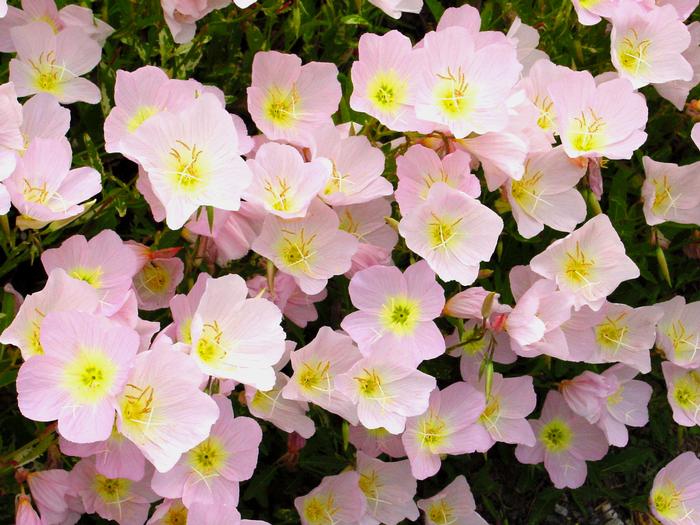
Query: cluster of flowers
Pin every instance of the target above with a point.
(147, 409)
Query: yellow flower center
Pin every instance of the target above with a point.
(686, 391)
(278, 194)
(210, 347)
(664, 200)
(526, 191)
(48, 76)
(633, 53)
(667, 500)
(453, 94)
(685, 343)
(369, 485)
(113, 491)
(282, 108)
(400, 315)
(188, 167)
(432, 431)
(176, 515)
(556, 436)
(546, 107)
(90, 376)
(319, 510)
(92, 276)
(337, 183)
(370, 384)
(578, 268)
(387, 91)
(208, 457)
(315, 376)
(441, 513)
(155, 278)
(443, 232)
(586, 132)
(491, 414)
(610, 334)
(141, 116)
(296, 250)
(137, 406)
(34, 334)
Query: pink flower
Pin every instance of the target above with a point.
(44, 188)
(420, 167)
(183, 307)
(396, 313)
(316, 368)
(589, 263)
(83, 18)
(287, 100)
(502, 155)
(25, 514)
(453, 232)
(465, 91)
(11, 113)
(79, 376)
(286, 294)
(678, 332)
(311, 249)
(125, 501)
(671, 192)
(337, 496)
(587, 393)
(565, 442)
(43, 117)
(376, 441)
(104, 262)
(526, 39)
(53, 63)
(675, 495)
(158, 278)
(234, 337)
(474, 347)
(384, 80)
(389, 489)
(647, 45)
(210, 472)
(116, 457)
(386, 391)
(61, 294)
(546, 195)
(395, 8)
(191, 158)
(683, 393)
(590, 12)
(182, 15)
(49, 489)
(357, 167)
(453, 504)
(604, 120)
(162, 409)
(677, 91)
(283, 184)
(169, 512)
(447, 427)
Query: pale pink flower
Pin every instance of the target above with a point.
(604, 120)
(475, 348)
(646, 46)
(526, 39)
(502, 155)
(546, 195)
(677, 91)
(586, 394)
(296, 306)
(311, 249)
(357, 167)
(396, 313)
(104, 262)
(44, 188)
(453, 232)
(565, 442)
(376, 441)
(534, 325)
(386, 391)
(588, 263)
(128, 315)
(53, 63)
(454, 504)
(11, 113)
(678, 332)
(156, 281)
(25, 514)
(389, 489)
(675, 495)
(182, 15)
(671, 192)
(83, 18)
(465, 91)
(283, 184)
(191, 158)
(49, 489)
(316, 368)
(162, 409)
(384, 80)
(123, 500)
(420, 167)
(590, 11)
(43, 117)
(395, 8)
(287, 100)
(338, 497)
(61, 294)
(447, 427)
(79, 376)
(169, 512)
(683, 393)
(210, 472)
(183, 307)
(234, 337)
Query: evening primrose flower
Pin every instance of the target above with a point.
(546, 195)
(683, 393)
(337, 500)
(395, 8)
(191, 158)
(590, 125)
(675, 496)
(677, 91)
(678, 332)
(452, 505)
(447, 427)
(671, 192)
(376, 441)
(53, 63)
(210, 472)
(565, 442)
(283, 184)
(310, 249)
(453, 232)
(161, 409)
(287, 101)
(61, 293)
(384, 80)
(389, 488)
(589, 263)
(386, 391)
(49, 490)
(78, 377)
(396, 312)
(647, 45)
